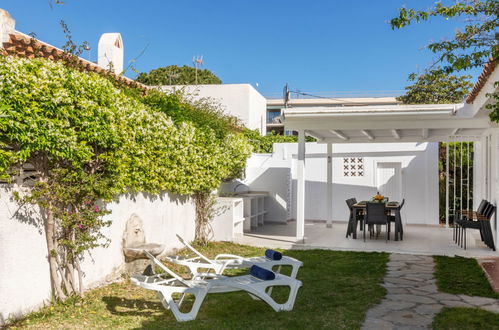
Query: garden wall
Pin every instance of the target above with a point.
(24, 272)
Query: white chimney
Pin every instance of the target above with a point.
(110, 53)
(7, 26)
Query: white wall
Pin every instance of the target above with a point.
(240, 100)
(419, 162)
(24, 273)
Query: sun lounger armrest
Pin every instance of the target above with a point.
(227, 256)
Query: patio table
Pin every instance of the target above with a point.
(390, 206)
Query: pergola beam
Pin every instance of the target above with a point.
(314, 135)
(339, 134)
(395, 134)
(367, 134)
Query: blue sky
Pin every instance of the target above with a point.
(315, 46)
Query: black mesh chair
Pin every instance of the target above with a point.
(391, 218)
(354, 217)
(463, 216)
(478, 221)
(486, 230)
(375, 215)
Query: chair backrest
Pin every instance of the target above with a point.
(376, 213)
(483, 205)
(489, 211)
(190, 247)
(350, 202)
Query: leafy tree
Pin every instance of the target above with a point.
(265, 144)
(470, 47)
(175, 75)
(436, 86)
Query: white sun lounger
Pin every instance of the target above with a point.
(211, 283)
(230, 261)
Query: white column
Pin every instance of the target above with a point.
(447, 184)
(494, 179)
(300, 185)
(329, 194)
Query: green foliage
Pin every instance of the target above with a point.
(265, 144)
(436, 86)
(470, 47)
(175, 75)
(201, 112)
(90, 141)
(493, 106)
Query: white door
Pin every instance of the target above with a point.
(389, 180)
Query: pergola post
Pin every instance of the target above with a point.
(329, 193)
(447, 165)
(300, 185)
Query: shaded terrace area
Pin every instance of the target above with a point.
(418, 239)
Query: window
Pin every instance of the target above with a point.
(271, 115)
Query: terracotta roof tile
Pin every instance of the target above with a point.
(21, 45)
(482, 79)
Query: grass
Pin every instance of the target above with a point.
(462, 276)
(458, 318)
(338, 288)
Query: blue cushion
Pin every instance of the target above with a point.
(273, 255)
(262, 273)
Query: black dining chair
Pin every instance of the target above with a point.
(478, 221)
(354, 217)
(465, 215)
(391, 218)
(486, 229)
(375, 215)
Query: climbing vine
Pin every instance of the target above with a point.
(89, 141)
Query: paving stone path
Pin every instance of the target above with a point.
(413, 299)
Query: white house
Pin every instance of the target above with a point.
(240, 100)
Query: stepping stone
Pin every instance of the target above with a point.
(404, 257)
(410, 298)
(408, 318)
(478, 301)
(491, 308)
(430, 309)
(455, 303)
(444, 296)
(375, 324)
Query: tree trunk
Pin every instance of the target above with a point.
(52, 253)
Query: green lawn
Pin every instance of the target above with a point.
(462, 276)
(458, 318)
(338, 288)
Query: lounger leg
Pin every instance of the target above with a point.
(288, 305)
(179, 316)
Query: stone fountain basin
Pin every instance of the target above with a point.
(137, 251)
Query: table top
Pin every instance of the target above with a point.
(389, 205)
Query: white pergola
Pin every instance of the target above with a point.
(383, 123)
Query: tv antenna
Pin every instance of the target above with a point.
(198, 62)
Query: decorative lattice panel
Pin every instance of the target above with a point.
(353, 166)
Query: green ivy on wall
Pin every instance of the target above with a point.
(89, 141)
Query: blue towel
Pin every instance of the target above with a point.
(273, 255)
(262, 273)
